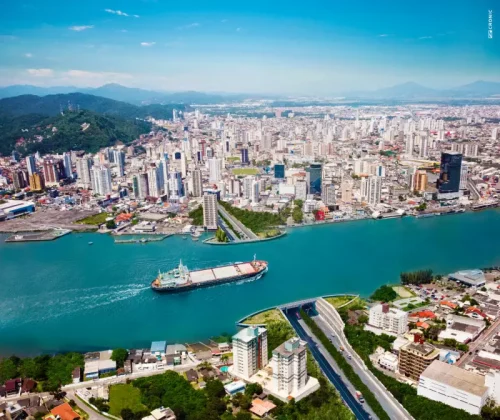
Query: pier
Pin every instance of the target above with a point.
(48, 235)
(141, 240)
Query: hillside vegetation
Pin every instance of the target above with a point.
(79, 130)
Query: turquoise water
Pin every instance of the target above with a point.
(67, 295)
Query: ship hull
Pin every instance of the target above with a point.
(210, 283)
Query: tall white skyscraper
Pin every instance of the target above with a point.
(214, 169)
(249, 351)
(197, 183)
(255, 193)
(101, 180)
(371, 188)
(175, 184)
(154, 185)
(410, 144)
(389, 319)
(165, 177)
(289, 366)
(247, 186)
(464, 174)
(424, 147)
(210, 211)
(183, 165)
(119, 159)
(83, 167)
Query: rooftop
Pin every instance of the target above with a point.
(158, 346)
(248, 334)
(422, 349)
(455, 377)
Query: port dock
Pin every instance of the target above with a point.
(141, 240)
(48, 235)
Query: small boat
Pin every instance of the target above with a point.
(90, 243)
(184, 237)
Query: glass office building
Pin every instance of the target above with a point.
(451, 169)
(279, 171)
(313, 177)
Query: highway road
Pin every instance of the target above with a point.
(326, 367)
(243, 230)
(390, 405)
(486, 336)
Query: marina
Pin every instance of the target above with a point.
(143, 240)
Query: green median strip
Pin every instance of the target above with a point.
(355, 380)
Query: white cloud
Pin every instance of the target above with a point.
(383, 35)
(147, 44)
(238, 29)
(191, 25)
(223, 20)
(119, 13)
(425, 37)
(124, 30)
(28, 55)
(41, 72)
(80, 28)
(79, 74)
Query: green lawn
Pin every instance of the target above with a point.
(245, 171)
(233, 159)
(337, 301)
(96, 219)
(265, 317)
(124, 396)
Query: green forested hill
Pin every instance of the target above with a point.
(66, 132)
(52, 105)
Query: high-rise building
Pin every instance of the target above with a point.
(371, 189)
(36, 181)
(197, 183)
(249, 351)
(420, 181)
(154, 185)
(244, 156)
(51, 172)
(101, 180)
(267, 141)
(301, 190)
(175, 186)
(83, 167)
(165, 177)
(464, 176)
(68, 165)
(494, 133)
(450, 173)
(289, 366)
(255, 193)
(279, 171)
(313, 178)
(119, 159)
(247, 186)
(388, 319)
(328, 194)
(415, 357)
(141, 186)
(16, 156)
(214, 169)
(18, 179)
(424, 147)
(346, 191)
(31, 164)
(210, 211)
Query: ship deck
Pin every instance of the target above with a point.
(221, 273)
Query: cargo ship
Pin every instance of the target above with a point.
(181, 279)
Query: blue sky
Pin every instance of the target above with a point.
(273, 46)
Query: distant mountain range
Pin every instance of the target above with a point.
(409, 90)
(125, 94)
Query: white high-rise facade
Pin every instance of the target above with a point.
(255, 193)
(249, 351)
(83, 167)
(154, 185)
(101, 180)
(119, 159)
(371, 189)
(210, 211)
(164, 178)
(214, 169)
(289, 366)
(248, 182)
(388, 319)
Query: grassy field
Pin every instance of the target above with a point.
(245, 171)
(124, 396)
(403, 292)
(96, 219)
(265, 317)
(338, 301)
(233, 159)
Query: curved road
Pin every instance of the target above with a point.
(333, 377)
